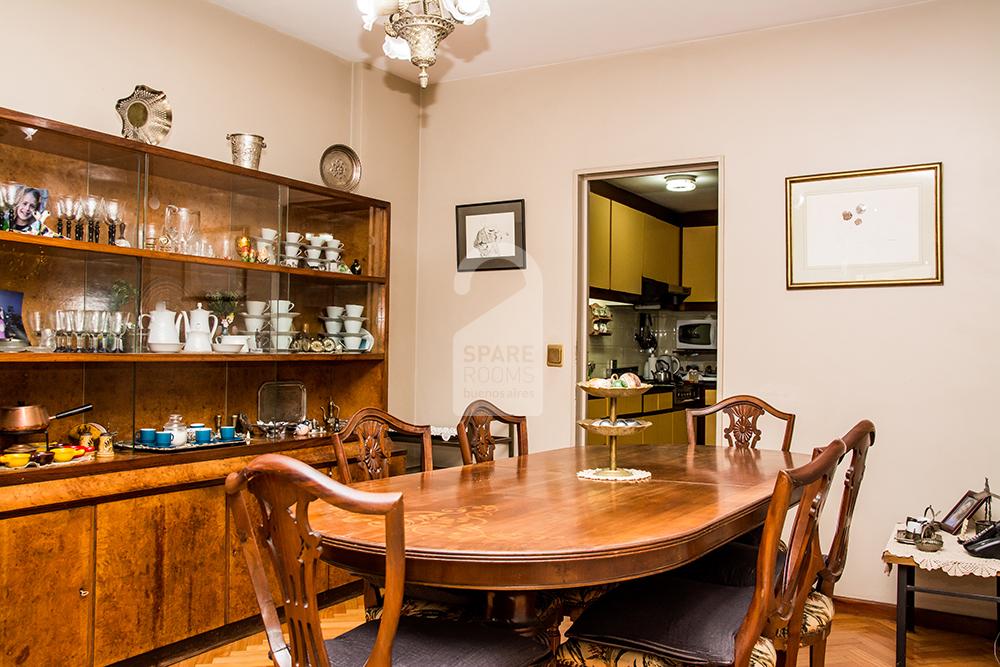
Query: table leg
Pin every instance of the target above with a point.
(519, 610)
(911, 614)
(901, 608)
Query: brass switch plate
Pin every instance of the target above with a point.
(553, 355)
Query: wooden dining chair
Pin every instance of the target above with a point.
(743, 412)
(370, 427)
(284, 488)
(475, 436)
(673, 620)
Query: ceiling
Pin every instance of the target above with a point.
(705, 197)
(533, 33)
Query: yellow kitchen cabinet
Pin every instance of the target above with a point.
(627, 228)
(629, 405)
(710, 421)
(599, 240)
(680, 433)
(699, 269)
(661, 252)
(660, 431)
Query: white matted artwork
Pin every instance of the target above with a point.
(490, 236)
(864, 228)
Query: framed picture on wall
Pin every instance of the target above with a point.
(490, 236)
(864, 228)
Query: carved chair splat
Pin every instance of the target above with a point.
(370, 426)
(743, 412)
(475, 437)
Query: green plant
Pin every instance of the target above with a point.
(223, 302)
(121, 293)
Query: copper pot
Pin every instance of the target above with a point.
(32, 418)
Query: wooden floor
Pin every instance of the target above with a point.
(856, 641)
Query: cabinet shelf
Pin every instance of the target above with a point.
(181, 357)
(67, 247)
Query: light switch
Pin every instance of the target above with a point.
(553, 355)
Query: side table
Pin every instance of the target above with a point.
(951, 559)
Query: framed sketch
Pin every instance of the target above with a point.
(864, 228)
(965, 508)
(490, 236)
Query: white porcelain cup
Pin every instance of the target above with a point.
(334, 311)
(292, 237)
(256, 308)
(333, 326)
(354, 310)
(281, 305)
(352, 326)
(313, 252)
(334, 243)
(352, 341)
(268, 233)
(253, 324)
(332, 254)
(283, 342)
(292, 249)
(316, 241)
(282, 322)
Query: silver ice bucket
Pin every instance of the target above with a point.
(246, 149)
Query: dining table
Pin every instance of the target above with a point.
(517, 526)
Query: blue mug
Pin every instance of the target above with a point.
(164, 438)
(203, 435)
(227, 432)
(147, 436)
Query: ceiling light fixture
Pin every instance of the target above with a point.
(413, 30)
(681, 182)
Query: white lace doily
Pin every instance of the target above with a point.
(952, 558)
(633, 475)
(446, 433)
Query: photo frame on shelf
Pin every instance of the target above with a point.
(968, 505)
(864, 228)
(490, 236)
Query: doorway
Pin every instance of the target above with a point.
(649, 292)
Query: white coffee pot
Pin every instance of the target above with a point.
(164, 325)
(199, 330)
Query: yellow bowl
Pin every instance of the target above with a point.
(63, 454)
(15, 460)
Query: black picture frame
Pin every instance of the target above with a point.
(490, 227)
(963, 509)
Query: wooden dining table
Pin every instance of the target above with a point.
(517, 526)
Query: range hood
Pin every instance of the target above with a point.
(655, 295)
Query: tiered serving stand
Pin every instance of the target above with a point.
(614, 431)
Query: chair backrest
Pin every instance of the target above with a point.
(369, 426)
(284, 487)
(743, 412)
(778, 599)
(475, 436)
(857, 440)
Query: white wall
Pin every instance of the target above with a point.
(223, 73)
(912, 85)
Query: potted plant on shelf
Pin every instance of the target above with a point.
(224, 304)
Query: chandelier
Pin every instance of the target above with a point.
(413, 29)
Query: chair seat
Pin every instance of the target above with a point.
(816, 619)
(580, 653)
(681, 619)
(421, 642)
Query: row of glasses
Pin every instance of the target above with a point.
(87, 330)
(82, 218)
(10, 192)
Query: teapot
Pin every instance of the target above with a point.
(198, 333)
(164, 325)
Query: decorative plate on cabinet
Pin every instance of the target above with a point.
(340, 167)
(146, 115)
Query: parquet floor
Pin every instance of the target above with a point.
(856, 641)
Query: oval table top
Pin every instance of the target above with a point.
(528, 523)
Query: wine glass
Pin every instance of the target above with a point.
(116, 328)
(170, 225)
(188, 225)
(112, 210)
(11, 190)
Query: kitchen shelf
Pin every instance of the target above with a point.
(67, 247)
(179, 357)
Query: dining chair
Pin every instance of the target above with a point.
(672, 620)
(284, 488)
(743, 412)
(370, 426)
(475, 436)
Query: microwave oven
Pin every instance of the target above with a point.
(697, 334)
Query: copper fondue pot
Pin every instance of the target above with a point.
(32, 418)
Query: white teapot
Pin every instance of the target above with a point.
(198, 332)
(164, 325)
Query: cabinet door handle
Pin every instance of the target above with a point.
(84, 592)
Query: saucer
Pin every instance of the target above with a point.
(263, 240)
(330, 319)
(272, 314)
(353, 319)
(165, 347)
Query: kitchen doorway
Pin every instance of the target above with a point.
(649, 291)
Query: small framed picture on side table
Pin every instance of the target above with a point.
(966, 507)
(490, 236)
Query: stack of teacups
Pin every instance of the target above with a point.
(352, 326)
(292, 248)
(254, 317)
(333, 322)
(281, 322)
(266, 244)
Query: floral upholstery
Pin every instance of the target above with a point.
(422, 609)
(575, 600)
(582, 653)
(816, 617)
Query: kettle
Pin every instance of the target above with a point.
(668, 363)
(198, 333)
(164, 325)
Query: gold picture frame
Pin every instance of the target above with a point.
(865, 228)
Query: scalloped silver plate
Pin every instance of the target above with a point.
(146, 115)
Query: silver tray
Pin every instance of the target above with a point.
(173, 449)
(281, 402)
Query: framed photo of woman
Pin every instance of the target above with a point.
(965, 508)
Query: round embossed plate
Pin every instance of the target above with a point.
(340, 167)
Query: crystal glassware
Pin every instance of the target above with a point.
(92, 206)
(112, 211)
(79, 322)
(78, 219)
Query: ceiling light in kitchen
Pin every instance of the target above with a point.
(681, 182)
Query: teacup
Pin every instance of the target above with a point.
(283, 342)
(331, 254)
(227, 432)
(352, 341)
(256, 307)
(292, 249)
(253, 324)
(334, 311)
(164, 438)
(293, 237)
(333, 326)
(147, 436)
(316, 241)
(313, 252)
(336, 244)
(281, 306)
(268, 233)
(352, 326)
(354, 310)
(202, 435)
(281, 322)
